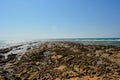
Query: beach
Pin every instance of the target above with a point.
(60, 60)
(60, 40)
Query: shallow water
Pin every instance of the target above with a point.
(21, 49)
(114, 43)
(95, 41)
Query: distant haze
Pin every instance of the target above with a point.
(37, 19)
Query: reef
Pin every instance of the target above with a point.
(62, 60)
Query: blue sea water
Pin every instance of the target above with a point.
(90, 39)
(95, 41)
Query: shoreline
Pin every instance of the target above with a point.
(61, 60)
(98, 41)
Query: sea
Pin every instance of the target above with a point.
(86, 41)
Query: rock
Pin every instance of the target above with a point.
(63, 61)
(61, 68)
(47, 53)
(32, 76)
(99, 52)
(76, 78)
(57, 79)
(76, 67)
(5, 50)
(37, 63)
(53, 53)
(2, 78)
(17, 78)
(89, 55)
(105, 55)
(11, 56)
(2, 58)
(69, 74)
(56, 56)
(99, 62)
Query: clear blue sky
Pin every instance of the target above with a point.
(34, 19)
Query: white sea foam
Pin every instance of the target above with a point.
(21, 50)
(9, 43)
(18, 50)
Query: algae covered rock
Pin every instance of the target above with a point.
(63, 61)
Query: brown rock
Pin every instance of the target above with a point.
(61, 68)
(56, 56)
(99, 51)
(57, 79)
(5, 50)
(37, 63)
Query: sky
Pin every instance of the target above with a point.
(36, 19)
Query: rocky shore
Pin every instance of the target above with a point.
(62, 61)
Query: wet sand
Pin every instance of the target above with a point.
(63, 61)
